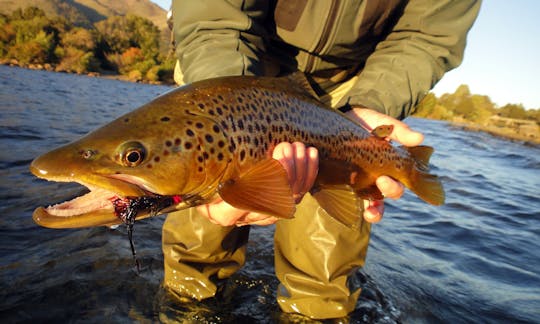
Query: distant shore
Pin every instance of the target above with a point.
(513, 129)
(106, 74)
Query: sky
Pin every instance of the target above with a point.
(502, 58)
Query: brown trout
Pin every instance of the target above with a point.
(215, 137)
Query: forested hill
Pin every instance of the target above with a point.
(84, 13)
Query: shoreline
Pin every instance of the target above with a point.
(105, 74)
(509, 133)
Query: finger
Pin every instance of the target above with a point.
(284, 152)
(222, 213)
(373, 210)
(389, 187)
(257, 219)
(312, 168)
(300, 166)
(401, 133)
(406, 136)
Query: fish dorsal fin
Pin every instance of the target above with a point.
(382, 131)
(301, 84)
(264, 189)
(340, 202)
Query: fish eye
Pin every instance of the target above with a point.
(132, 154)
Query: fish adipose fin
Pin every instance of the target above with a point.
(427, 186)
(264, 189)
(382, 131)
(340, 202)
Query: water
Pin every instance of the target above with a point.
(475, 259)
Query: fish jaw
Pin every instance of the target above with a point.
(99, 207)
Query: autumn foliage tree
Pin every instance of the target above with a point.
(127, 45)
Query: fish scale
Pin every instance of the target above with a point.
(216, 137)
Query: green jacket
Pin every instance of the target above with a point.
(398, 49)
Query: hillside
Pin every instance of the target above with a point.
(86, 12)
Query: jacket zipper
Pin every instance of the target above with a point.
(325, 34)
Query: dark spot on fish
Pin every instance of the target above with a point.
(149, 166)
(156, 159)
(219, 111)
(211, 112)
(201, 105)
(240, 100)
(200, 159)
(221, 144)
(165, 119)
(242, 155)
(224, 125)
(168, 143)
(199, 125)
(240, 124)
(189, 132)
(188, 145)
(205, 155)
(209, 138)
(256, 141)
(220, 156)
(200, 169)
(165, 152)
(189, 122)
(126, 120)
(177, 141)
(220, 97)
(215, 128)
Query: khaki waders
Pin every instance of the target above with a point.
(315, 256)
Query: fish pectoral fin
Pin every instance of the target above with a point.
(382, 131)
(340, 202)
(264, 189)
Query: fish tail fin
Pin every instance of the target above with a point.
(427, 186)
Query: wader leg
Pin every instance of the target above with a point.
(315, 257)
(199, 253)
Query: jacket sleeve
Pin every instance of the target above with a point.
(218, 38)
(427, 41)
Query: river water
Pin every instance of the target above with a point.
(475, 259)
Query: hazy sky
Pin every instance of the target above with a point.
(502, 59)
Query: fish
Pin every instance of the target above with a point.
(215, 138)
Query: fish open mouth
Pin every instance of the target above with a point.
(102, 207)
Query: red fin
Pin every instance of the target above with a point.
(382, 131)
(263, 189)
(427, 186)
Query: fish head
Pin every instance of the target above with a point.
(154, 151)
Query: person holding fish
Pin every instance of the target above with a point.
(372, 60)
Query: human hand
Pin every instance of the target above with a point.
(390, 188)
(301, 164)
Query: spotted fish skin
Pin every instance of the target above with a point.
(217, 136)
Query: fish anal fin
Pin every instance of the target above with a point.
(340, 202)
(264, 188)
(382, 131)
